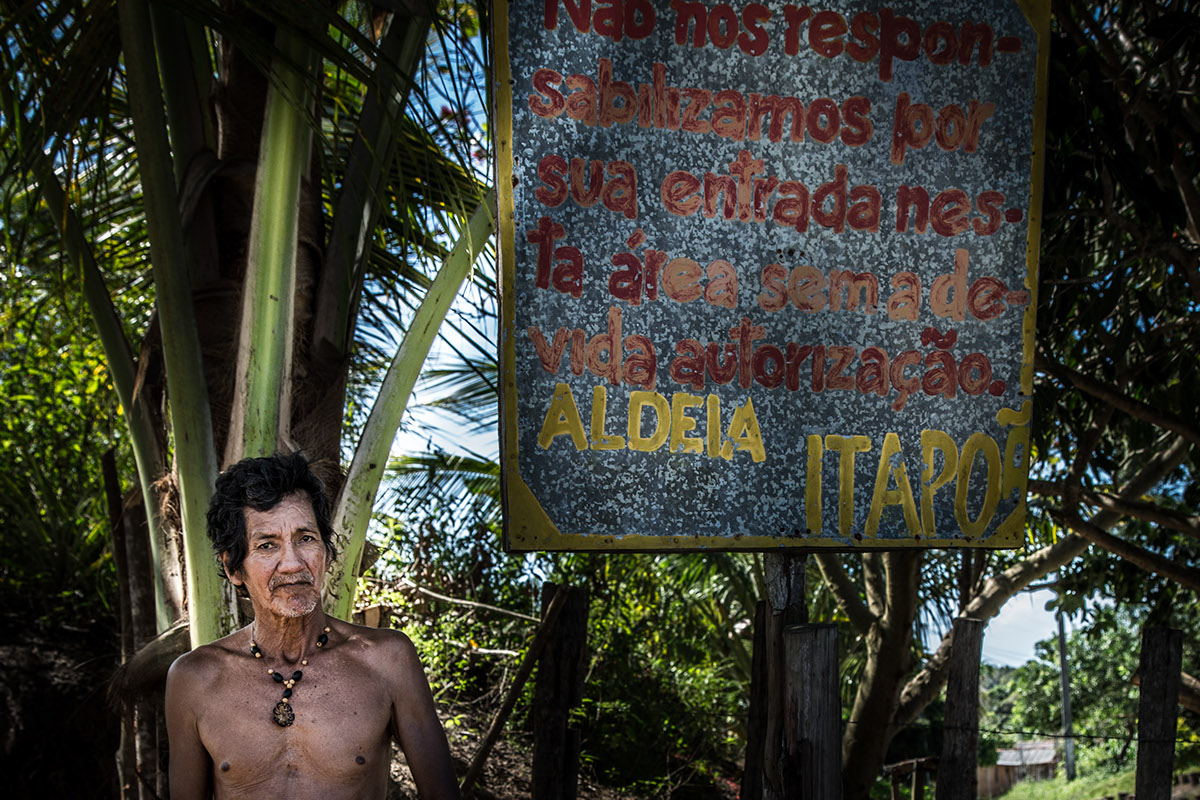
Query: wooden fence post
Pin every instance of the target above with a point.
(957, 778)
(756, 723)
(785, 582)
(557, 689)
(812, 743)
(1158, 712)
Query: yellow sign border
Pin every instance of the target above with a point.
(527, 527)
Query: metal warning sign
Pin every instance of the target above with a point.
(769, 271)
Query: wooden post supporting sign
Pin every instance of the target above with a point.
(756, 722)
(794, 742)
(783, 575)
(812, 741)
(960, 741)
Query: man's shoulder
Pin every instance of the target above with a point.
(205, 661)
(386, 639)
(384, 649)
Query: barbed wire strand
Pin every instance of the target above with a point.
(1030, 734)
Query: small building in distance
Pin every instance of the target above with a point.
(1025, 761)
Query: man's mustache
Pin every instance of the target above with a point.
(292, 580)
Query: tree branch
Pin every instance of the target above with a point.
(1107, 394)
(845, 592)
(1185, 178)
(367, 171)
(1046, 488)
(1150, 512)
(510, 700)
(1166, 517)
(461, 602)
(212, 606)
(873, 584)
(1138, 556)
(352, 510)
(1086, 446)
(926, 684)
(140, 417)
(903, 570)
(262, 407)
(1189, 692)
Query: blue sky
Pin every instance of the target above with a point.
(1008, 639)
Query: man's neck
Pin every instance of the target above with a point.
(288, 639)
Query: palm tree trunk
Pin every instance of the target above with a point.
(262, 398)
(212, 610)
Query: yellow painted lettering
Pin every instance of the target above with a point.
(681, 423)
(847, 447)
(712, 409)
(1016, 465)
(1012, 416)
(744, 434)
(977, 444)
(935, 441)
(600, 439)
(891, 468)
(562, 418)
(812, 486)
(662, 422)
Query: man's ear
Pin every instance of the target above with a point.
(234, 577)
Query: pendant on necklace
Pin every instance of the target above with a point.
(283, 714)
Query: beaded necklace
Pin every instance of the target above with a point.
(282, 714)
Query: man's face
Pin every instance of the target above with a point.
(285, 558)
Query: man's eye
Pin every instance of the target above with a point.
(265, 546)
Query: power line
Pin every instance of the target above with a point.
(1025, 733)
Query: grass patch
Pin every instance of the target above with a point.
(1082, 788)
(1085, 787)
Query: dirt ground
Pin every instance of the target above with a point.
(57, 735)
(506, 773)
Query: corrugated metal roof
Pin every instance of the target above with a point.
(1027, 754)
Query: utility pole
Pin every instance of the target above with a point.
(1065, 681)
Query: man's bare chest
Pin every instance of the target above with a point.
(339, 738)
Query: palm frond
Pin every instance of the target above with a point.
(467, 482)
(466, 389)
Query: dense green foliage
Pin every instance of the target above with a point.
(59, 418)
(669, 662)
(1084, 787)
(1103, 654)
(1119, 279)
(663, 705)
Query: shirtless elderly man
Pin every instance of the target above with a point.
(297, 704)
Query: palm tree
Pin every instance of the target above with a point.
(264, 191)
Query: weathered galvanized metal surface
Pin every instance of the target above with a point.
(769, 272)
